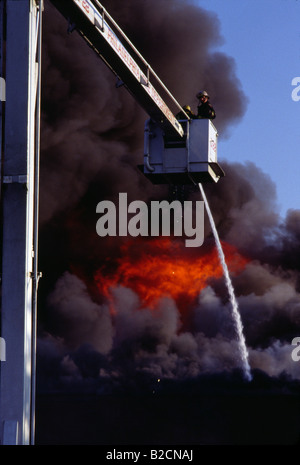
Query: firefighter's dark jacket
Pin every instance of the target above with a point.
(205, 110)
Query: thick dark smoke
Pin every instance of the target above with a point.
(92, 140)
(93, 132)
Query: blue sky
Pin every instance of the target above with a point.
(263, 37)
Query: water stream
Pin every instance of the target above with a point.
(234, 304)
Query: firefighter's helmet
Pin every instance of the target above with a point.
(202, 93)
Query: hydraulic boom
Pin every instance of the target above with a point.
(103, 34)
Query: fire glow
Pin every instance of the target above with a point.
(161, 267)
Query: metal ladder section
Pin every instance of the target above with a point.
(107, 39)
(21, 32)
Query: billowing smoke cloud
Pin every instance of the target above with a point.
(186, 37)
(93, 132)
(92, 140)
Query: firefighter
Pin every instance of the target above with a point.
(188, 111)
(205, 109)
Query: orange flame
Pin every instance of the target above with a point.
(163, 267)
